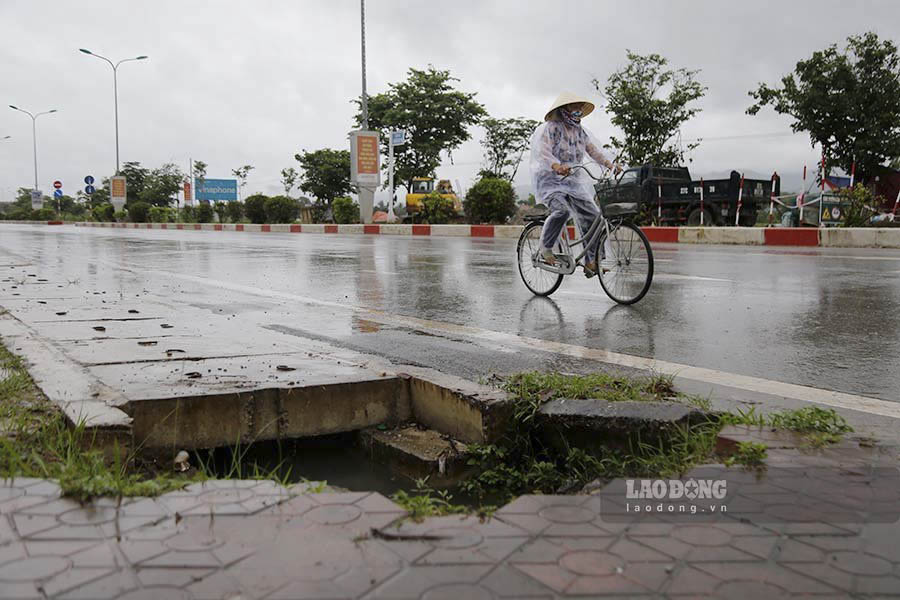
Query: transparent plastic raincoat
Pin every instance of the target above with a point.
(556, 142)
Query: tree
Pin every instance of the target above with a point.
(138, 212)
(204, 213)
(135, 175)
(490, 201)
(505, 141)
(161, 185)
(199, 171)
(648, 119)
(281, 209)
(242, 173)
(255, 208)
(435, 116)
(326, 174)
(846, 99)
(221, 209)
(289, 179)
(234, 211)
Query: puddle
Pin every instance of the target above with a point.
(336, 459)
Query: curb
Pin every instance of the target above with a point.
(863, 237)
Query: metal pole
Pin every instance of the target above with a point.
(365, 100)
(391, 216)
(34, 145)
(116, 102)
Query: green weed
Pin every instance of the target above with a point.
(749, 454)
(426, 502)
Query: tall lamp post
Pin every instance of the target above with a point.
(115, 68)
(33, 134)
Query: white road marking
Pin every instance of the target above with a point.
(379, 272)
(689, 277)
(744, 382)
(821, 255)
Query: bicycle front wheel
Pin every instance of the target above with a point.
(626, 270)
(536, 279)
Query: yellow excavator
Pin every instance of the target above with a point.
(422, 186)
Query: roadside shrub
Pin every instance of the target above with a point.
(188, 214)
(204, 213)
(345, 210)
(255, 208)
(234, 211)
(45, 214)
(436, 209)
(490, 201)
(161, 214)
(221, 209)
(120, 216)
(861, 206)
(138, 212)
(281, 209)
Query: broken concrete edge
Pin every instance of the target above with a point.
(418, 453)
(82, 398)
(849, 237)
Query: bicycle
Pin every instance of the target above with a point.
(625, 259)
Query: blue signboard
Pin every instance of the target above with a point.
(217, 190)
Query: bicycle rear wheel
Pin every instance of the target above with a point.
(628, 263)
(536, 279)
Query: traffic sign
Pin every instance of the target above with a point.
(398, 138)
(57, 193)
(89, 180)
(57, 184)
(37, 199)
(89, 189)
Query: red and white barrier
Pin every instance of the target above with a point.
(737, 215)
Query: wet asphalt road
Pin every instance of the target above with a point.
(826, 318)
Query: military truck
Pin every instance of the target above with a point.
(668, 196)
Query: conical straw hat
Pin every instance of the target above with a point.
(570, 98)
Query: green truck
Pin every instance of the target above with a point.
(668, 196)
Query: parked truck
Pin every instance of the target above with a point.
(668, 196)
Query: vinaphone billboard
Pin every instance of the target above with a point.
(216, 190)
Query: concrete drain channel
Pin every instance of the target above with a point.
(381, 433)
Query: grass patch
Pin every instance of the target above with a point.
(749, 454)
(425, 502)
(36, 440)
(818, 426)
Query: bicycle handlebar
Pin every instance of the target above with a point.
(591, 175)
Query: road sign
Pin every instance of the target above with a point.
(833, 210)
(89, 189)
(89, 180)
(37, 199)
(398, 138)
(57, 184)
(117, 191)
(57, 193)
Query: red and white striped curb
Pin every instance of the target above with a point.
(863, 237)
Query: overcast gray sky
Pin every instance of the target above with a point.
(235, 83)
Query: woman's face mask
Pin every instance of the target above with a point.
(571, 117)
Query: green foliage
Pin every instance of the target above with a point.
(326, 173)
(44, 214)
(161, 214)
(120, 216)
(861, 206)
(221, 209)
(241, 173)
(811, 419)
(204, 213)
(505, 142)
(199, 171)
(436, 209)
(138, 212)
(426, 502)
(289, 179)
(345, 210)
(255, 208)
(20, 210)
(188, 214)
(749, 454)
(161, 185)
(846, 99)
(490, 201)
(281, 209)
(435, 115)
(135, 176)
(234, 211)
(649, 120)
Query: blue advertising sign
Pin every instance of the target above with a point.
(222, 190)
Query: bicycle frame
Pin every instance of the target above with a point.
(599, 227)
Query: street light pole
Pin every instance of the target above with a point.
(115, 68)
(33, 135)
(365, 99)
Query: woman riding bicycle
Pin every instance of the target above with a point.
(556, 146)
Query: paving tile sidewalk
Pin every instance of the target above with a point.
(254, 540)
